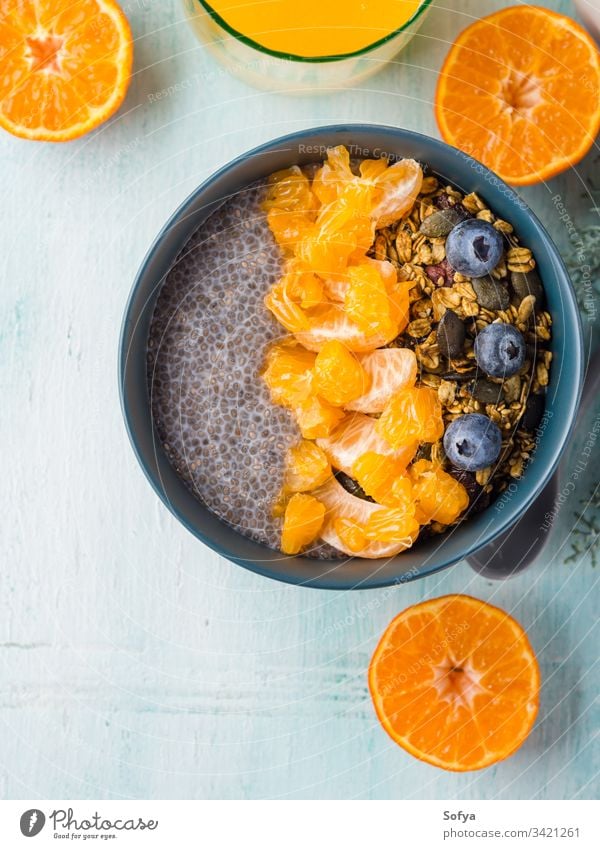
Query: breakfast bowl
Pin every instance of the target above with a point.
(141, 336)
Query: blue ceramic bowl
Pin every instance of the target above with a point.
(429, 556)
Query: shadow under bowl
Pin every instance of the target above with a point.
(438, 552)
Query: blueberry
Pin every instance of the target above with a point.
(474, 248)
(500, 350)
(472, 442)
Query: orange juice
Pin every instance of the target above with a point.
(311, 28)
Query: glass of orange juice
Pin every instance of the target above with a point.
(305, 44)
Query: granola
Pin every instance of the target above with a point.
(420, 258)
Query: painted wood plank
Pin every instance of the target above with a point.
(133, 661)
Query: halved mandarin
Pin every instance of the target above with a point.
(455, 682)
(65, 66)
(520, 91)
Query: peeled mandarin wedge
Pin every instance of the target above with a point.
(367, 301)
(351, 533)
(285, 308)
(336, 324)
(520, 91)
(339, 376)
(392, 524)
(345, 519)
(413, 413)
(288, 373)
(439, 497)
(306, 467)
(455, 682)
(398, 187)
(336, 287)
(302, 523)
(382, 477)
(317, 418)
(303, 287)
(356, 435)
(289, 190)
(333, 176)
(290, 205)
(64, 66)
(388, 370)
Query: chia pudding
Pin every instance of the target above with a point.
(229, 439)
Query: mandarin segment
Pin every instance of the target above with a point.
(455, 682)
(392, 524)
(307, 467)
(367, 300)
(288, 312)
(289, 373)
(351, 533)
(382, 477)
(317, 418)
(333, 176)
(334, 323)
(413, 414)
(340, 504)
(439, 497)
(289, 190)
(388, 371)
(339, 376)
(356, 435)
(302, 522)
(398, 187)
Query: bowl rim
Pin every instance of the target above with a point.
(297, 57)
(322, 581)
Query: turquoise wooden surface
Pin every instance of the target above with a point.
(133, 661)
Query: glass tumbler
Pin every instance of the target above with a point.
(264, 68)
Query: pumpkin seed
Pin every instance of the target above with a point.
(491, 295)
(527, 283)
(485, 391)
(352, 486)
(450, 335)
(440, 223)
